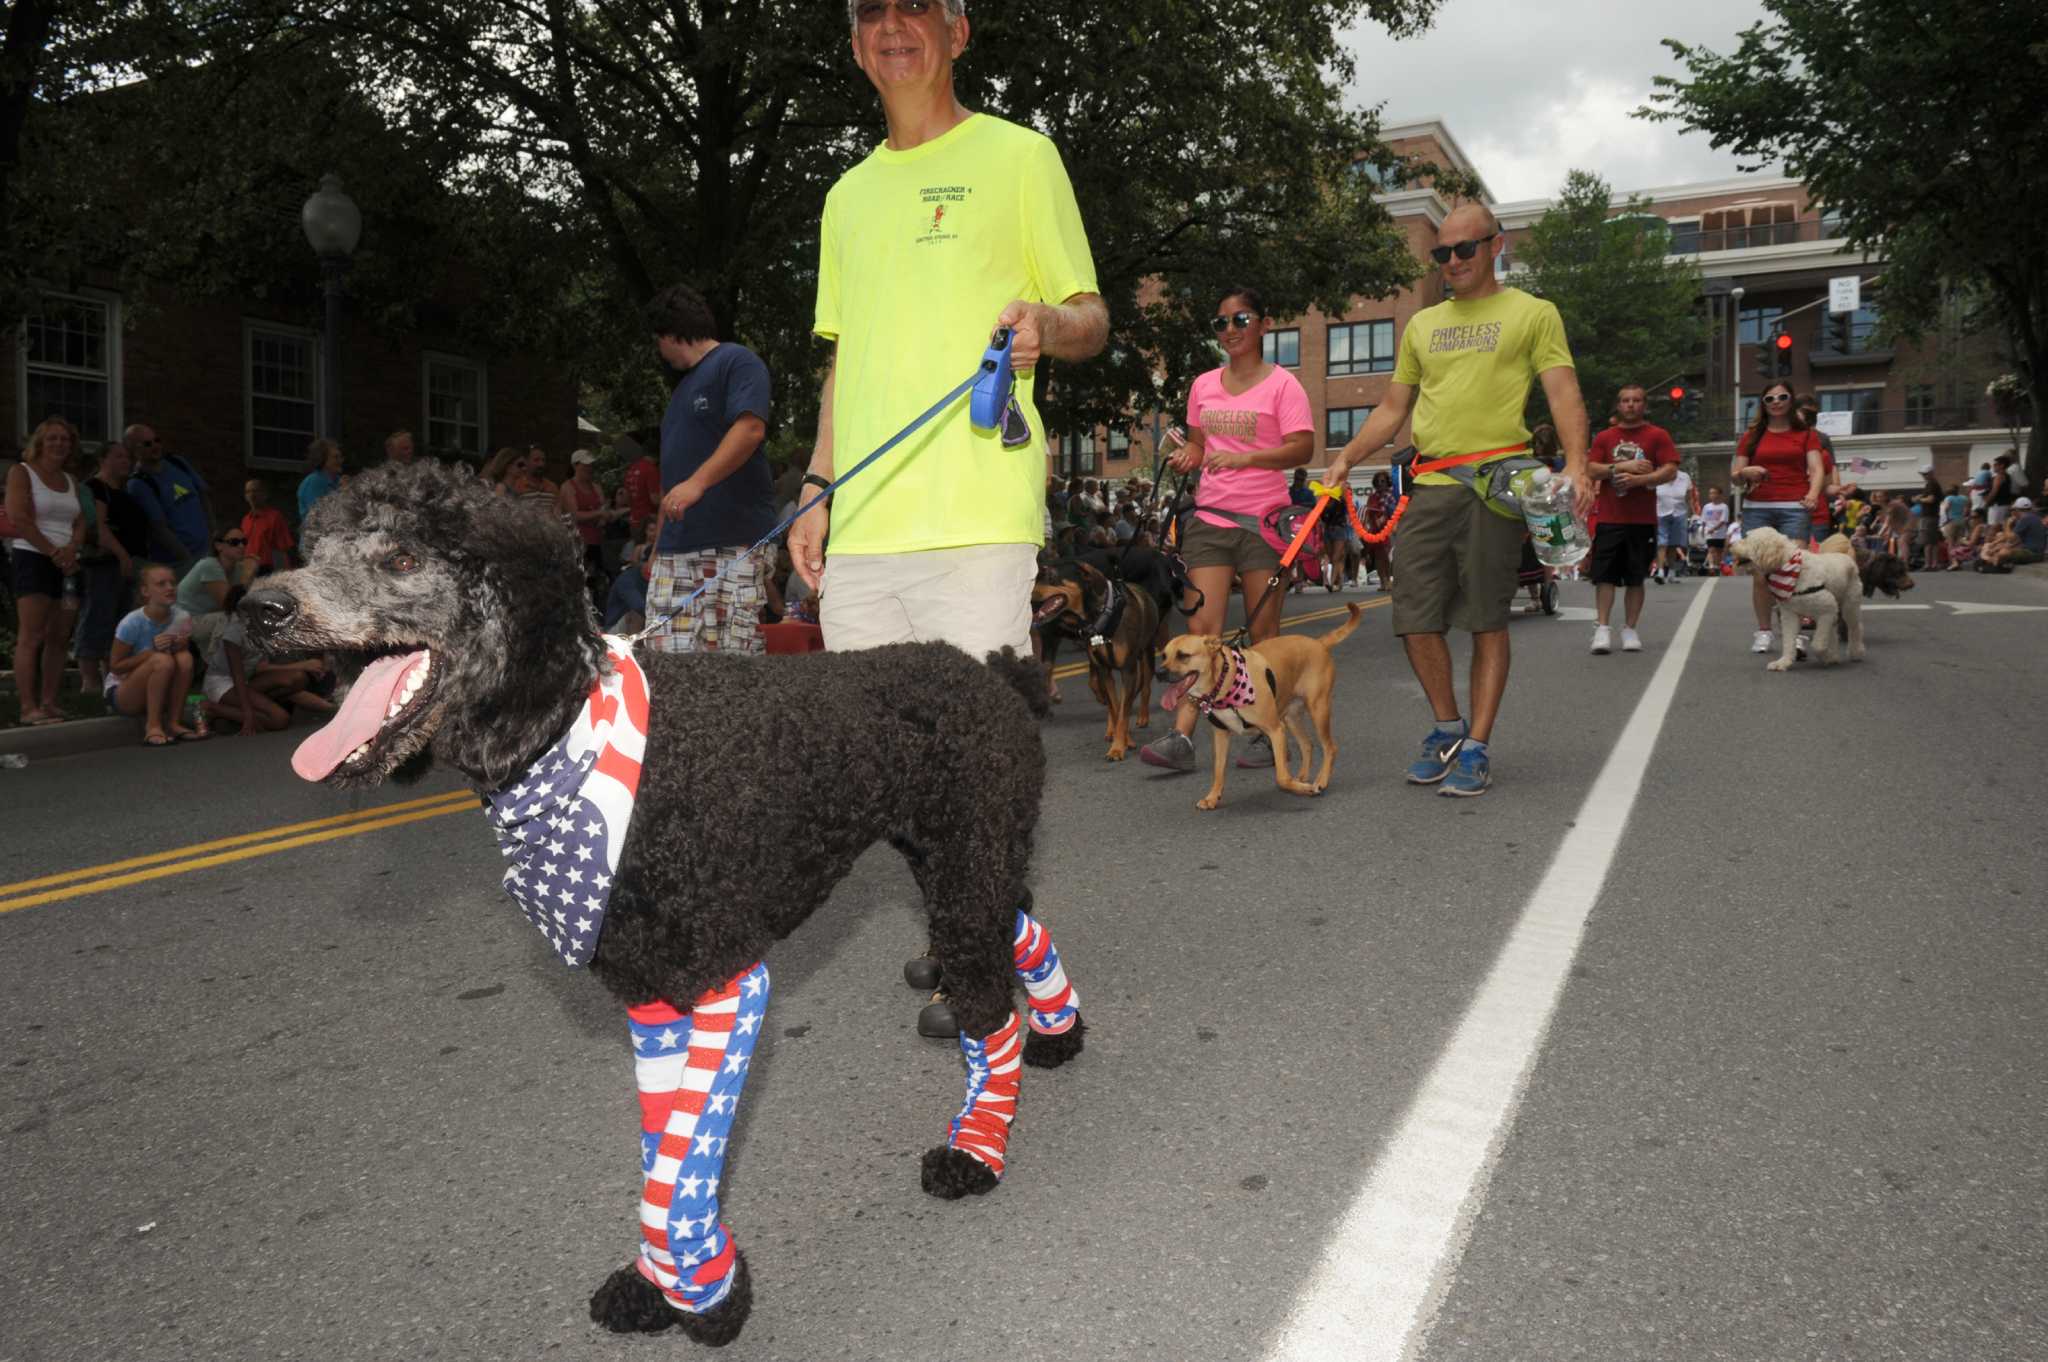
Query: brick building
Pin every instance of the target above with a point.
(1896, 406)
(233, 385)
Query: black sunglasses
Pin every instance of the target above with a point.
(871, 11)
(1240, 320)
(1464, 250)
(236, 540)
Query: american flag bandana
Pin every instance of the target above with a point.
(1785, 581)
(1054, 1004)
(1237, 693)
(562, 825)
(690, 1073)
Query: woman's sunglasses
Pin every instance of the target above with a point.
(1240, 320)
(1464, 250)
(1777, 399)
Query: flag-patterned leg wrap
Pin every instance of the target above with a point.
(994, 1071)
(1055, 1007)
(690, 1073)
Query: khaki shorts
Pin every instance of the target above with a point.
(1204, 545)
(1458, 562)
(976, 598)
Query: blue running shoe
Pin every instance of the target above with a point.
(1438, 751)
(1469, 775)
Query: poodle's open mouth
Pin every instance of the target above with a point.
(384, 702)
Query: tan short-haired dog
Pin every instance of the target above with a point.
(1267, 687)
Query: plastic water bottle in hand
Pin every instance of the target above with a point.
(1556, 531)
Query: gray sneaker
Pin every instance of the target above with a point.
(1175, 752)
(1258, 754)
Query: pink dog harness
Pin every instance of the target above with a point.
(1235, 692)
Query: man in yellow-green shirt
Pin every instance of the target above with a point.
(958, 224)
(1464, 368)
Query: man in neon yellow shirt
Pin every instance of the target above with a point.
(959, 223)
(1472, 358)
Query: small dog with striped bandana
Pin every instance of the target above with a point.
(640, 800)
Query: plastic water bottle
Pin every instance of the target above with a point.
(1556, 532)
(13, 761)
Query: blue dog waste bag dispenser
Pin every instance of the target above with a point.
(992, 405)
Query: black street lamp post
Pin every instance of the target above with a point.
(333, 226)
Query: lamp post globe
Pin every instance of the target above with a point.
(333, 226)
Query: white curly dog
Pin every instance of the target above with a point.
(1821, 584)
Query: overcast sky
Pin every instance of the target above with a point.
(1531, 91)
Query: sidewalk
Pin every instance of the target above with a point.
(71, 739)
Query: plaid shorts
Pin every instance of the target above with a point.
(725, 619)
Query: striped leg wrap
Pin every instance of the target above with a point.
(994, 1071)
(690, 1075)
(1054, 1004)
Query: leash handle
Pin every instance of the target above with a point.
(992, 382)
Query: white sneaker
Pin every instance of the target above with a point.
(1603, 640)
(1799, 644)
(1762, 643)
(1631, 641)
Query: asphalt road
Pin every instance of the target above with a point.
(338, 1101)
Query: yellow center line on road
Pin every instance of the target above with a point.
(1073, 669)
(96, 879)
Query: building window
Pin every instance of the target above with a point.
(1920, 404)
(1362, 348)
(457, 396)
(1282, 348)
(1078, 451)
(70, 349)
(1757, 324)
(1865, 403)
(1685, 237)
(1832, 224)
(1367, 170)
(1119, 443)
(280, 395)
(1341, 423)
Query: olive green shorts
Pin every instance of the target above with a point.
(1455, 563)
(1205, 545)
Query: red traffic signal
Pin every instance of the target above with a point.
(1678, 394)
(1782, 341)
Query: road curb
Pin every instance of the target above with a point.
(78, 736)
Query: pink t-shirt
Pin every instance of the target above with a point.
(1275, 408)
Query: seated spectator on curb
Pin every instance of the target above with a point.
(204, 591)
(109, 574)
(625, 609)
(2021, 540)
(270, 539)
(244, 686)
(323, 475)
(151, 667)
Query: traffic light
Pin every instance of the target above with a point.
(1838, 332)
(1774, 361)
(1689, 407)
(1677, 395)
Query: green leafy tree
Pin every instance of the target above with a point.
(1631, 313)
(1922, 127)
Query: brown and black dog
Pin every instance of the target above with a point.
(1075, 598)
(1280, 679)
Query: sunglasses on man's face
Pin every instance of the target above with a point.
(871, 11)
(1464, 250)
(1240, 320)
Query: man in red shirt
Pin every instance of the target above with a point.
(1627, 460)
(643, 490)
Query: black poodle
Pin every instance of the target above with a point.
(462, 618)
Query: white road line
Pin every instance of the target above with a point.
(1384, 1273)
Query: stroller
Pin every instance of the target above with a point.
(1540, 579)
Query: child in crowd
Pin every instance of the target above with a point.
(1955, 521)
(270, 539)
(1714, 528)
(244, 686)
(1898, 528)
(150, 668)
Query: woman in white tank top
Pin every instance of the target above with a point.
(42, 503)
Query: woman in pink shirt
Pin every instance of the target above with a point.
(1249, 422)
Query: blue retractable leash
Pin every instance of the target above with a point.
(991, 408)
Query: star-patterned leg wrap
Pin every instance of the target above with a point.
(994, 1071)
(1055, 1007)
(690, 1074)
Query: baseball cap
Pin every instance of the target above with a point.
(583, 456)
(1926, 470)
(2024, 504)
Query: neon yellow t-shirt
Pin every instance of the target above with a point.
(919, 252)
(1473, 363)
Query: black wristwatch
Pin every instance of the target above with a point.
(813, 480)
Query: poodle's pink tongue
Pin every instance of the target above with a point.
(362, 714)
(1177, 692)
